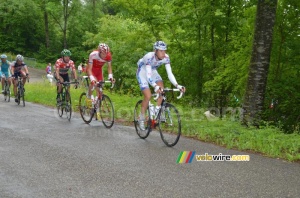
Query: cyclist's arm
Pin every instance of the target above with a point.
(57, 72)
(74, 71)
(12, 70)
(26, 69)
(109, 69)
(171, 75)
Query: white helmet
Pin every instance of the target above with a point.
(160, 45)
(19, 57)
(3, 56)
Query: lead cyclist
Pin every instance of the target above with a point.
(5, 70)
(147, 74)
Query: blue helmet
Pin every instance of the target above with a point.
(160, 45)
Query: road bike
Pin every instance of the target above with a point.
(21, 90)
(99, 106)
(6, 90)
(65, 102)
(167, 119)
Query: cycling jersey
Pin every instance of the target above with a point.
(5, 68)
(63, 66)
(147, 70)
(18, 69)
(97, 63)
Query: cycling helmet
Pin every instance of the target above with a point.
(19, 57)
(103, 46)
(3, 56)
(66, 52)
(160, 45)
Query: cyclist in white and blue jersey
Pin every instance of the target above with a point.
(147, 74)
(5, 70)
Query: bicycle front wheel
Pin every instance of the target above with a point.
(86, 108)
(7, 92)
(22, 96)
(169, 124)
(68, 106)
(18, 96)
(60, 109)
(142, 133)
(106, 109)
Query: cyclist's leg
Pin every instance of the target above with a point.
(15, 83)
(144, 87)
(59, 87)
(23, 75)
(2, 82)
(159, 82)
(66, 78)
(98, 77)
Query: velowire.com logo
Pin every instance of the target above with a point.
(186, 157)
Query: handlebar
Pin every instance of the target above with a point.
(168, 90)
(67, 83)
(102, 82)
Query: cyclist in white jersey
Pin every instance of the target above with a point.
(147, 74)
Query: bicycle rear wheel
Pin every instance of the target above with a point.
(86, 108)
(68, 106)
(137, 111)
(169, 124)
(106, 109)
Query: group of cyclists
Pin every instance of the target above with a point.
(146, 71)
(11, 71)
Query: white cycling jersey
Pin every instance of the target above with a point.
(146, 72)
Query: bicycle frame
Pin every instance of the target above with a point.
(154, 122)
(101, 108)
(66, 103)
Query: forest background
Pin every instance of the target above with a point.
(209, 43)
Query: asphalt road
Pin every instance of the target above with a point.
(43, 155)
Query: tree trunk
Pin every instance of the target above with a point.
(260, 61)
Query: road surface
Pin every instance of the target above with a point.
(43, 155)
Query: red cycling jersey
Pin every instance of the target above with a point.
(64, 67)
(97, 64)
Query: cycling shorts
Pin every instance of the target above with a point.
(19, 73)
(142, 78)
(65, 77)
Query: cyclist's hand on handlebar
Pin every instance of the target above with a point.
(181, 88)
(112, 80)
(157, 89)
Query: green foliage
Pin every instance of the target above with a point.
(209, 43)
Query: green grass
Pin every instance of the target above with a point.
(268, 141)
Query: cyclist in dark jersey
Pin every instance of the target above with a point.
(19, 68)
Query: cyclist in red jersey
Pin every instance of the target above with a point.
(96, 61)
(62, 66)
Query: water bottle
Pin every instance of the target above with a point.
(157, 109)
(152, 111)
(93, 99)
